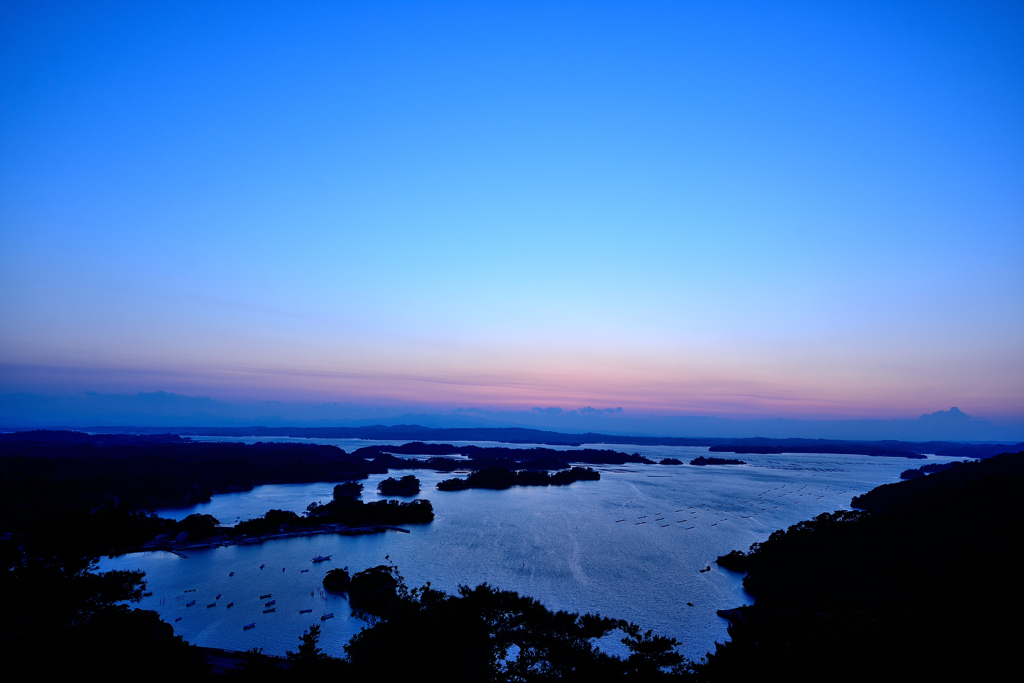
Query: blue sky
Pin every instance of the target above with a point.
(794, 210)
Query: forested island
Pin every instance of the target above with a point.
(406, 486)
(501, 478)
(702, 460)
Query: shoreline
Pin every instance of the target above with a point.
(222, 541)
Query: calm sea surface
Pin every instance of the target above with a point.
(629, 546)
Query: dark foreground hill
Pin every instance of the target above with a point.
(922, 584)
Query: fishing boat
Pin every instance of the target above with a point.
(264, 597)
(329, 615)
(189, 604)
(249, 626)
(212, 604)
(231, 604)
(321, 558)
(272, 609)
(304, 611)
(303, 570)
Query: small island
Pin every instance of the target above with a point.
(671, 461)
(406, 486)
(716, 461)
(337, 580)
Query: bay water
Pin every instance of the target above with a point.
(630, 546)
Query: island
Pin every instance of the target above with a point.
(406, 486)
(501, 478)
(716, 461)
(337, 580)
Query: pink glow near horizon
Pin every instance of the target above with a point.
(648, 393)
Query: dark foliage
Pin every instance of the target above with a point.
(716, 461)
(501, 478)
(406, 486)
(920, 588)
(925, 469)
(61, 617)
(337, 580)
(483, 634)
(86, 472)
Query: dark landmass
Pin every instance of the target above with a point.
(78, 469)
(480, 457)
(502, 478)
(925, 469)
(337, 580)
(373, 590)
(716, 461)
(538, 436)
(921, 583)
(671, 461)
(406, 486)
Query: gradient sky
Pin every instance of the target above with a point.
(678, 208)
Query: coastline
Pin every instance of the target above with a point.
(178, 548)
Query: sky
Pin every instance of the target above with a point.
(750, 210)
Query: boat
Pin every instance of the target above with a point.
(231, 604)
(321, 558)
(178, 619)
(272, 609)
(303, 570)
(304, 611)
(231, 574)
(212, 604)
(329, 615)
(264, 597)
(262, 566)
(218, 596)
(249, 626)
(189, 604)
